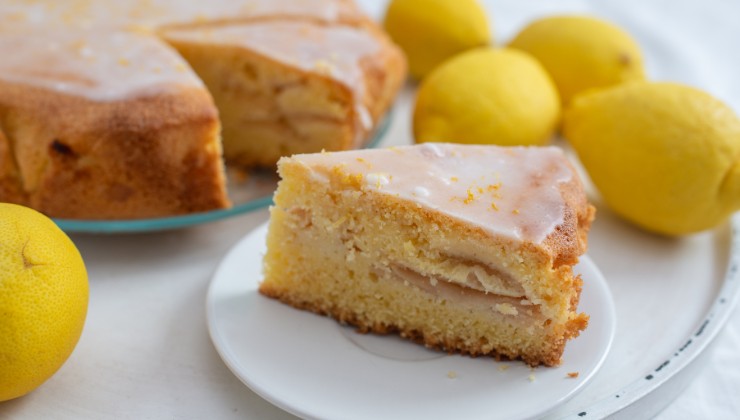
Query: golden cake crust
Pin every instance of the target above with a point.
(147, 156)
(570, 238)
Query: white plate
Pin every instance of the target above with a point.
(312, 367)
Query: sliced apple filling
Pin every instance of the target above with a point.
(473, 297)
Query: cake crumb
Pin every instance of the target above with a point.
(238, 175)
(572, 374)
(503, 368)
(452, 374)
(531, 377)
(506, 309)
(124, 62)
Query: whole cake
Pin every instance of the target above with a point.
(124, 109)
(463, 248)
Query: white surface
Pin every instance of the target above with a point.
(257, 337)
(145, 351)
(713, 394)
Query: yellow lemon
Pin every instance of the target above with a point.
(663, 155)
(430, 31)
(43, 299)
(487, 96)
(581, 53)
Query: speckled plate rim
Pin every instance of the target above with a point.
(656, 389)
(175, 222)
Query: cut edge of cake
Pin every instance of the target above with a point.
(272, 105)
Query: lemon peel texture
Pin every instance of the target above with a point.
(582, 53)
(43, 299)
(663, 155)
(487, 96)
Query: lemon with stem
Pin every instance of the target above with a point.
(43, 299)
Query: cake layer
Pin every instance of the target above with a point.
(383, 239)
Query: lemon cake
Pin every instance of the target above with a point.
(466, 249)
(103, 117)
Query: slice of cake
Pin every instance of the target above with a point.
(463, 248)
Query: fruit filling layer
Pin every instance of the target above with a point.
(473, 298)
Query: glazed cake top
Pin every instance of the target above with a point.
(98, 65)
(510, 191)
(109, 50)
(87, 14)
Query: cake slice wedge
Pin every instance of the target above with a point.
(466, 249)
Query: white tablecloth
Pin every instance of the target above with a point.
(145, 351)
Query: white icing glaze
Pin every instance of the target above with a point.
(107, 50)
(99, 65)
(421, 192)
(514, 192)
(87, 14)
(377, 179)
